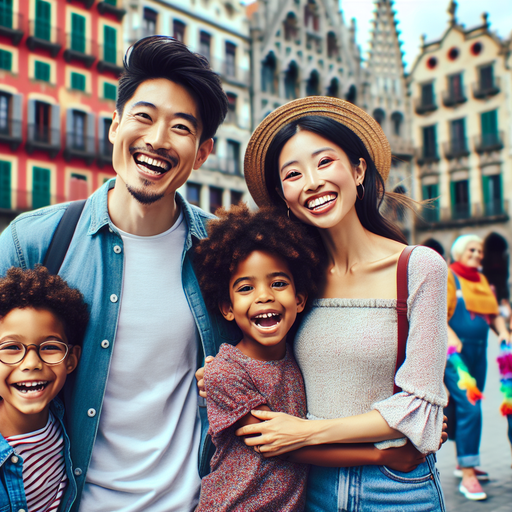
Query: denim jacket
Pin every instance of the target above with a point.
(12, 492)
(94, 265)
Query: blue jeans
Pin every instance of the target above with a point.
(466, 418)
(375, 489)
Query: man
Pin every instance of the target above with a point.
(132, 407)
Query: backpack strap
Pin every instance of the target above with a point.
(402, 294)
(63, 236)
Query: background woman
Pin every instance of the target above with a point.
(324, 161)
(472, 308)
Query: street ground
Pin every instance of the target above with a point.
(495, 452)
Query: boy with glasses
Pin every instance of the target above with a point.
(42, 324)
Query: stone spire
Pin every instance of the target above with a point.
(452, 10)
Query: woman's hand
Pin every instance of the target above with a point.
(404, 458)
(278, 433)
(200, 377)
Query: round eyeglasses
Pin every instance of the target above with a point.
(50, 352)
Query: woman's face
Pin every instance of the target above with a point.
(472, 255)
(319, 181)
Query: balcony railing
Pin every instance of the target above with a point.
(430, 214)
(455, 149)
(487, 142)
(10, 132)
(487, 88)
(42, 35)
(81, 49)
(422, 107)
(229, 166)
(426, 155)
(110, 60)
(461, 211)
(494, 208)
(452, 98)
(43, 138)
(231, 72)
(401, 147)
(80, 146)
(11, 24)
(111, 8)
(104, 156)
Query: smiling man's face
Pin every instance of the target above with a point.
(157, 140)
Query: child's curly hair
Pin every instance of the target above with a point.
(239, 232)
(39, 289)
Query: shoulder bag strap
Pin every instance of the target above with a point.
(63, 236)
(402, 294)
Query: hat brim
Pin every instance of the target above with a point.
(344, 112)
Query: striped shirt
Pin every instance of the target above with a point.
(44, 468)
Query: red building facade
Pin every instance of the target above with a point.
(59, 65)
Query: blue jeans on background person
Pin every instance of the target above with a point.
(375, 489)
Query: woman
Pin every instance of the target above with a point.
(472, 308)
(324, 161)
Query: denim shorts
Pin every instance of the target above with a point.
(375, 489)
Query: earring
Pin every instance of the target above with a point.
(288, 211)
(357, 192)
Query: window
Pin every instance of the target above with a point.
(290, 26)
(379, 115)
(231, 116)
(40, 187)
(313, 84)
(178, 30)
(427, 94)
(489, 123)
(104, 141)
(291, 82)
(149, 22)
(43, 20)
(5, 60)
(77, 134)
(236, 197)
(4, 113)
(268, 74)
(109, 91)
(6, 13)
(233, 149)
(215, 198)
(429, 142)
(194, 193)
(5, 185)
(460, 199)
(334, 88)
(77, 33)
(42, 121)
(491, 188)
(204, 44)
(42, 71)
(486, 77)
(332, 45)
(458, 135)
(431, 211)
(230, 59)
(77, 81)
(397, 119)
(455, 86)
(110, 49)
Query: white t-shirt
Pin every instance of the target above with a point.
(146, 450)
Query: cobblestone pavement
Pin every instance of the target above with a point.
(495, 452)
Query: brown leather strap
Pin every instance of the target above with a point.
(402, 294)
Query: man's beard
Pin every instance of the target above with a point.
(144, 196)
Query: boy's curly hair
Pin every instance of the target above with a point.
(39, 289)
(239, 232)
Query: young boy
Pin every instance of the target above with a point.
(42, 324)
(258, 269)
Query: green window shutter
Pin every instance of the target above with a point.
(109, 91)
(42, 71)
(6, 13)
(110, 40)
(43, 20)
(5, 60)
(485, 189)
(77, 33)
(5, 185)
(111, 2)
(40, 187)
(431, 213)
(77, 81)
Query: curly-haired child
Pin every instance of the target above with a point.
(258, 268)
(42, 324)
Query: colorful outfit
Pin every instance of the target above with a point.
(95, 264)
(35, 468)
(346, 350)
(471, 304)
(242, 479)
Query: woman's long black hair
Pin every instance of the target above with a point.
(368, 209)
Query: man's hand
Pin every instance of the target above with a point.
(444, 433)
(200, 377)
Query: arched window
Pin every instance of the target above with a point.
(313, 84)
(290, 26)
(291, 82)
(379, 115)
(334, 88)
(397, 119)
(351, 94)
(332, 45)
(268, 74)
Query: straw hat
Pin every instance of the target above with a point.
(344, 112)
